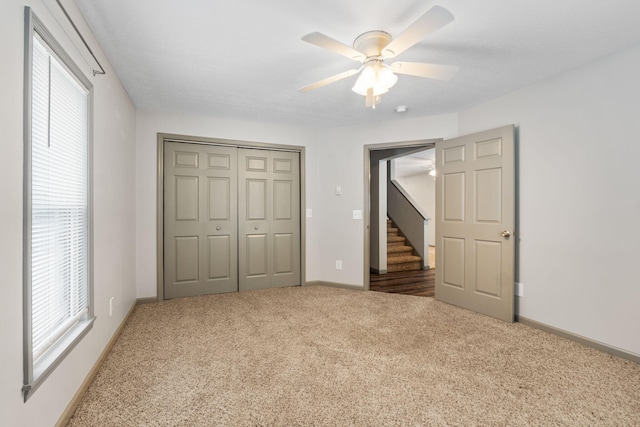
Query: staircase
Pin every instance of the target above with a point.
(400, 256)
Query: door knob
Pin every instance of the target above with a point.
(218, 228)
(256, 227)
(506, 234)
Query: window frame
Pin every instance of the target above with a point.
(36, 373)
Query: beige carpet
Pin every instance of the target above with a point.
(324, 356)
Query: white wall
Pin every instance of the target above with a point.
(340, 161)
(149, 124)
(579, 142)
(422, 189)
(114, 205)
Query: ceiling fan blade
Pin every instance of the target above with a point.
(428, 71)
(328, 43)
(329, 80)
(434, 19)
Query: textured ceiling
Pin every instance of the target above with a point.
(243, 59)
(419, 163)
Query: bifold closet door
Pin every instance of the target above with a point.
(268, 219)
(200, 219)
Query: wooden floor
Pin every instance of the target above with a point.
(419, 283)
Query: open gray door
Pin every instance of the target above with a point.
(475, 220)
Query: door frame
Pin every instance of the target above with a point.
(426, 143)
(188, 139)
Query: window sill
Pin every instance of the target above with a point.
(55, 355)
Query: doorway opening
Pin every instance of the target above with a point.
(475, 219)
(399, 254)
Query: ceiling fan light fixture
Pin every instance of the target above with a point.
(386, 77)
(377, 77)
(366, 80)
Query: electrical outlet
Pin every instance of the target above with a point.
(338, 191)
(519, 289)
(357, 214)
(309, 213)
(338, 264)
(111, 306)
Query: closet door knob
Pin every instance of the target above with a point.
(218, 228)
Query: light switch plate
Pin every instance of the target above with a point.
(309, 213)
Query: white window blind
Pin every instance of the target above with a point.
(57, 308)
(59, 205)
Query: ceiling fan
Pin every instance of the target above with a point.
(374, 47)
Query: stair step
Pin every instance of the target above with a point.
(395, 241)
(399, 249)
(399, 255)
(410, 266)
(402, 259)
(404, 263)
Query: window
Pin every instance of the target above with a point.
(57, 256)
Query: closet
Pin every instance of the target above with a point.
(231, 219)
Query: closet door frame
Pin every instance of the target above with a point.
(162, 137)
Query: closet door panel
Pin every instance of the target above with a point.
(268, 219)
(200, 219)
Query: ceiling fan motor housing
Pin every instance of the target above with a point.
(371, 43)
